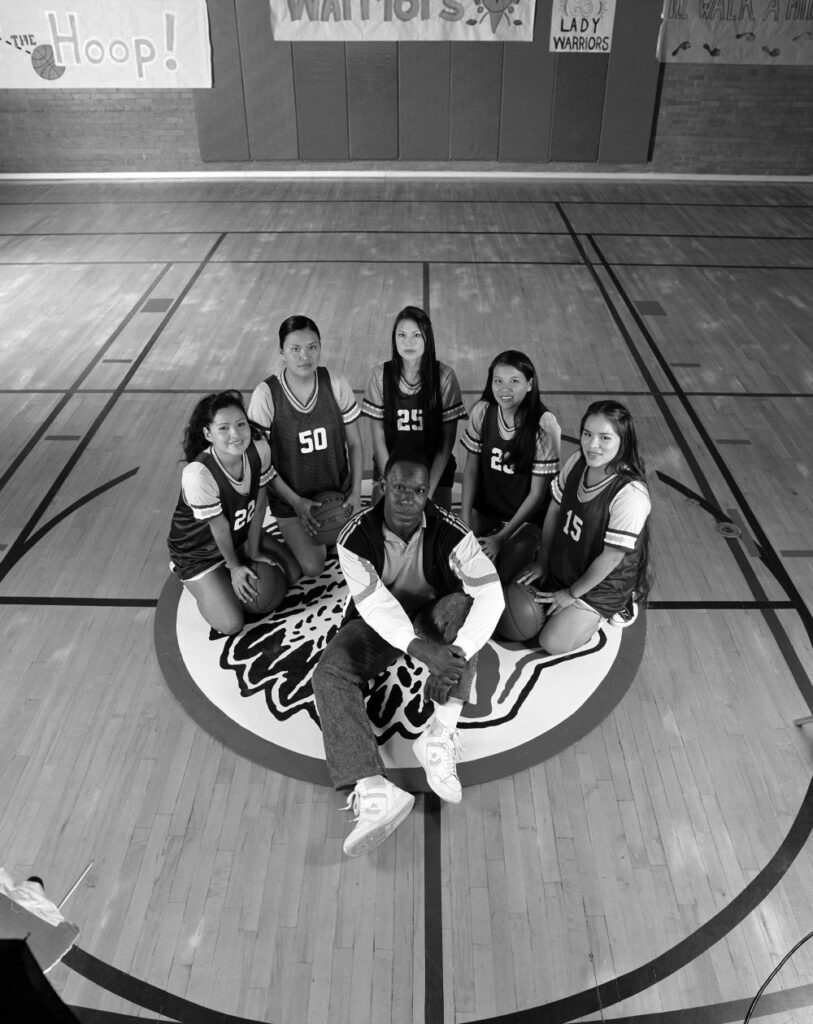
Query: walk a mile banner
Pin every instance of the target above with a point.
(502, 21)
(736, 32)
(96, 44)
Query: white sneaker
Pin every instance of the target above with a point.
(380, 808)
(626, 616)
(438, 750)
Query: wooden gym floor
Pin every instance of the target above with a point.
(657, 869)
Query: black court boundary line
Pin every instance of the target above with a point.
(464, 232)
(432, 912)
(618, 989)
(143, 994)
(69, 392)
(80, 602)
(767, 552)
(18, 547)
(403, 183)
(473, 391)
(625, 986)
(412, 262)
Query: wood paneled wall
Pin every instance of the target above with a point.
(427, 101)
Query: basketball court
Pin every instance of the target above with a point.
(632, 844)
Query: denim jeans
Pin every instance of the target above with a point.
(354, 656)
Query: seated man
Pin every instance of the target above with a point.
(419, 583)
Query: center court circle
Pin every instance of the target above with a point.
(253, 691)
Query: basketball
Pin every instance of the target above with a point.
(271, 585)
(522, 617)
(331, 516)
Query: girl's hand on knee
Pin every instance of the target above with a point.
(242, 578)
(491, 545)
(269, 561)
(556, 600)
(534, 573)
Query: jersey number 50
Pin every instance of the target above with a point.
(312, 440)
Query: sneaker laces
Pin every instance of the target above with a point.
(452, 748)
(353, 800)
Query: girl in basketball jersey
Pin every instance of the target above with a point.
(414, 403)
(217, 524)
(512, 443)
(310, 418)
(594, 554)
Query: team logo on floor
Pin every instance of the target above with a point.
(253, 691)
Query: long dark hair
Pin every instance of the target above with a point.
(297, 322)
(194, 440)
(522, 446)
(431, 401)
(628, 463)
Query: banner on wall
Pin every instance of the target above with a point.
(582, 26)
(95, 44)
(736, 32)
(501, 21)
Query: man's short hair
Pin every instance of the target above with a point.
(412, 460)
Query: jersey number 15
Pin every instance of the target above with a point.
(573, 525)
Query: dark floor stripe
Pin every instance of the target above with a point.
(703, 606)
(361, 200)
(684, 952)
(68, 394)
(432, 916)
(141, 993)
(81, 602)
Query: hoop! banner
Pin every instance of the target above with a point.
(141, 44)
(403, 20)
(736, 32)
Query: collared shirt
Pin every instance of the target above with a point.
(375, 597)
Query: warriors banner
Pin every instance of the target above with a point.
(736, 32)
(582, 26)
(95, 44)
(501, 21)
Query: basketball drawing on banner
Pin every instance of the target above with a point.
(253, 690)
(142, 44)
(403, 20)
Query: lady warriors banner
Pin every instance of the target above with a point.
(95, 44)
(403, 20)
(736, 32)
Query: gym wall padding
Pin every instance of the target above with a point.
(632, 82)
(475, 100)
(578, 102)
(372, 100)
(220, 112)
(424, 78)
(268, 86)
(457, 101)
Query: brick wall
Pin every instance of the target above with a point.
(726, 119)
